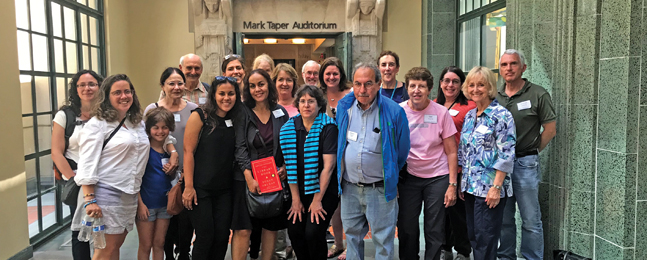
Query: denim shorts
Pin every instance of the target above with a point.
(158, 213)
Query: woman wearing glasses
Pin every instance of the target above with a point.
(209, 169)
(110, 172)
(83, 88)
(451, 96)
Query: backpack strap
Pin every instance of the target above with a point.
(156, 105)
(70, 124)
(206, 86)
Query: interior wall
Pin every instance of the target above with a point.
(403, 33)
(301, 53)
(152, 35)
(13, 206)
(117, 35)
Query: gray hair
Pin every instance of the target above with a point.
(188, 56)
(522, 58)
(366, 65)
(310, 62)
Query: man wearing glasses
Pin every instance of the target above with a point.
(195, 91)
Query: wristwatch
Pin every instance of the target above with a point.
(497, 187)
(453, 184)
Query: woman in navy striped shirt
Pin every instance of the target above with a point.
(309, 145)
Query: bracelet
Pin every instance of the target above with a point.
(497, 187)
(90, 202)
(174, 151)
(88, 195)
(453, 184)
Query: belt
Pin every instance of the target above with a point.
(374, 184)
(526, 153)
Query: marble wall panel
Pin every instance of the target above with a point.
(581, 210)
(642, 157)
(443, 27)
(583, 136)
(586, 69)
(641, 225)
(607, 251)
(581, 244)
(616, 28)
(588, 7)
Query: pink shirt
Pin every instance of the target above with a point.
(292, 110)
(428, 128)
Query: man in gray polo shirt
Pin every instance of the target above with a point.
(532, 109)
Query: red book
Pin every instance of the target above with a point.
(264, 171)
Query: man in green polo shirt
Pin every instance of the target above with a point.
(532, 109)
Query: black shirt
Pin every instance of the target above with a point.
(213, 158)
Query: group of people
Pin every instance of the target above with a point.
(360, 154)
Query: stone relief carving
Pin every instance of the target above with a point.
(213, 34)
(366, 26)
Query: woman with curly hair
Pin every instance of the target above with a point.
(114, 150)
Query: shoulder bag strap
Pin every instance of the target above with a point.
(113, 133)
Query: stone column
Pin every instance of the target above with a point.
(364, 20)
(213, 34)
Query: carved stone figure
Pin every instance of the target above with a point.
(213, 35)
(366, 25)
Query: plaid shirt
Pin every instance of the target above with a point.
(192, 95)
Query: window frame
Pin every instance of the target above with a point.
(480, 12)
(52, 75)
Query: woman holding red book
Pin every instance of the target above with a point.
(310, 137)
(264, 120)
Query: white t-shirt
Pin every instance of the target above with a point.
(72, 151)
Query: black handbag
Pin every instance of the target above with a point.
(264, 205)
(567, 255)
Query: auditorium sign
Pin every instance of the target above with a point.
(276, 26)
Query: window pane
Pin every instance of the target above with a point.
(37, 9)
(57, 21)
(61, 89)
(92, 4)
(84, 28)
(86, 57)
(94, 31)
(469, 46)
(43, 100)
(28, 135)
(469, 6)
(493, 42)
(25, 94)
(22, 17)
(45, 137)
(24, 57)
(59, 56)
(40, 50)
(70, 51)
(70, 23)
(477, 3)
(46, 174)
(48, 206)
(83, 2)
(95, 60)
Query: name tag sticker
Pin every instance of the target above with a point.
(352, 136)
(523, 105)
(164, 161)
(453, 112)
(482, 129)
(202, 100)
(278, 113)
(229, 123)
(178, 118)
(432, 119)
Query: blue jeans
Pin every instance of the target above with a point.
(483, 225)
(525, 185)
(364, 206)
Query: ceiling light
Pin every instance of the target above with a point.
(245, 40)
(298, 41)
(269, 40)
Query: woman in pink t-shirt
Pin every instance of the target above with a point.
(451, 96)
(430, 173)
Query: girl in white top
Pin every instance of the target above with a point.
(83, 88)
(110, 177)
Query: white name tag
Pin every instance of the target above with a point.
(229, 123)
(202, 100)
(278, 113)
(352, 136)
(453, 112)
(164, 161)
(523, 105)
(432, 119)
(178, 118)
(482, 129)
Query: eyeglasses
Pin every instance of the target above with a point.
(90, 85)
(368, 84)
(220, 79)
(118, 93)
(311, 102)
(449, 81)
(232, 56)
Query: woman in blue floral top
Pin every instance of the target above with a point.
(486, 153)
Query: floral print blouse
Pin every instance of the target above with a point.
(487, 144)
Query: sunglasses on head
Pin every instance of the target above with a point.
(221, 79)
(232, 56)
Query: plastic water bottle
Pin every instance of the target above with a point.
(86, 229)
(99, 234)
